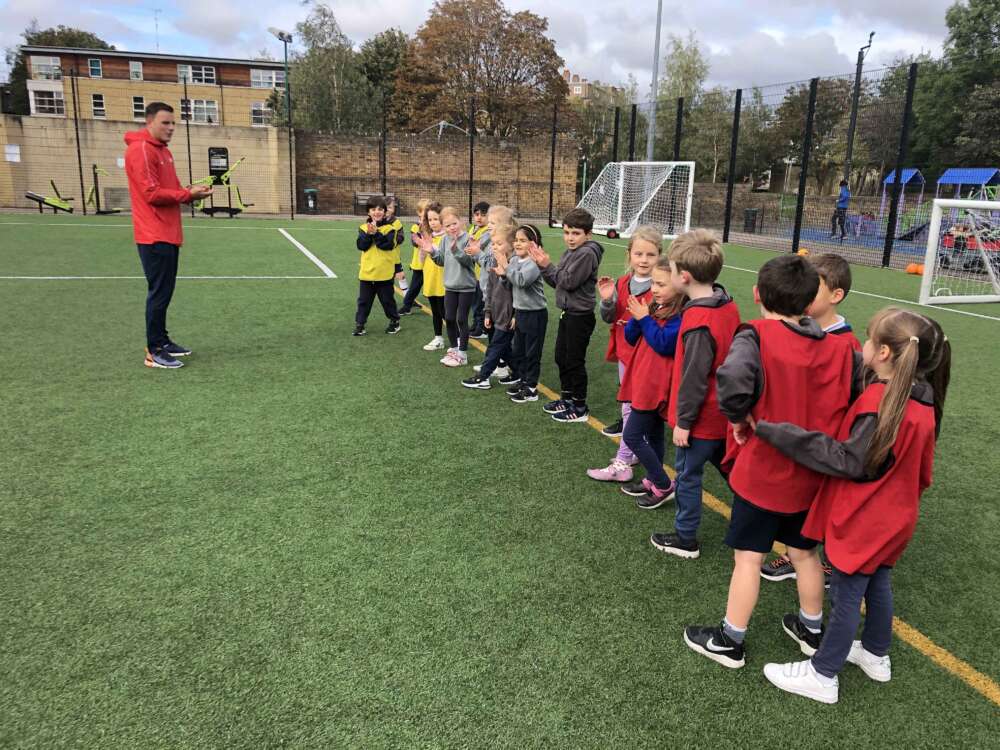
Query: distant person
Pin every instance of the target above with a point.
(840, 212)
(156, 196)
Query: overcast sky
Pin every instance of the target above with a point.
(748, 42)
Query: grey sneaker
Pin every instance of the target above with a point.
(176, 350)
(159, 357)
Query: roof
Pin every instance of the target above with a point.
(970, 176)
(32, 49)
(907, 176)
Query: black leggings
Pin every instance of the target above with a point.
(456, 316)
(437, 313)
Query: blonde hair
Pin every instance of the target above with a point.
(699, 252)
(501, 216)
(676, 303)
(918, 350)
(449, 211)
(646, 233)
(428, 205)
(422, 205)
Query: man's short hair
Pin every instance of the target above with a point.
(834, 270)
(579, 218)
(154, 107)
(787, 285)
(481, 208)
(699, 252)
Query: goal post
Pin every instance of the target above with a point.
(628, 194)
(962, 263)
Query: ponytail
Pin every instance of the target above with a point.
(893, 406)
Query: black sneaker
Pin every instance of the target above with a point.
(359, 331)
(510, 380)
(613, 430)
(405, 311)
(175, 350)
(572, 414)
(393, 327)
(798, 632)
(524, 395)
(712, 641)
(636, 489)
(655, 498)
(514, 390)
(674, 545)
(482, 384)
(554, 407)
(778, 569)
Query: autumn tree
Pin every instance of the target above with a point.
(380, 58)
(476, 50)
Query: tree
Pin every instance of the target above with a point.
(759, 147)
(978, 141)
(477, 48)
(829, 140)
(58, 36)
(710, 123)
(685, 69)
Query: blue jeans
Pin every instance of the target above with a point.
(846, 592)
(690, 464)
(498, 351)
(644, 436)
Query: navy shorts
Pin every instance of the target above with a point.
(756, 530)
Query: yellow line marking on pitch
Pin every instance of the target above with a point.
(964, 671)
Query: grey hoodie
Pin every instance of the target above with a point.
(459, 268)
(575, 277)
(525, 278)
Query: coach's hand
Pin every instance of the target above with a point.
(200, 191)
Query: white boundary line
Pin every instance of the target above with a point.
(319, 264)
(185, 278)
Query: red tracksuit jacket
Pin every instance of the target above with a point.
(155, 191)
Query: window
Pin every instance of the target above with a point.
(196, 73)
(97, 102)
(260, 114)
(49, 103)
(578, 89)
(94, 64)
(267, 79)
(138, 108)
(205, 111)
(45, 68)
(185, 109)
(135, 70)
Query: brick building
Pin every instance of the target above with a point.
(117, 85)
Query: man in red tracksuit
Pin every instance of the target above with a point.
(157, 196)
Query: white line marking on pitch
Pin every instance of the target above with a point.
(186, 278)
(319, 264)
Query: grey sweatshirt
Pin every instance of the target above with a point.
(609, 306)
(525, 278)
(500, 301)
(575, 277)
(486, 262)
(459, 268)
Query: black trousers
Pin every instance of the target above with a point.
(529, 339)
(437, 313)
(416, 283)
(839, 217)
(159, 264)
(456, 317)
(575, 330)
(367, 291)
(479, 309)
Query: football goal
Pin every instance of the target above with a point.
(627, 194)
(963, 253)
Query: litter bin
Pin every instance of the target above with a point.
(750, 220)
(312, 200)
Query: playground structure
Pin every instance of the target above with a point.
(231, 208)
(56, 202)
(94, 194)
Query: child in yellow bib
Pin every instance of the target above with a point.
(377, 243)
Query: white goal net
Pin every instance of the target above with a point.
(963, 253)
(627, 194)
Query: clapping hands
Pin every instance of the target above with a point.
(538, 255)
(636, 308)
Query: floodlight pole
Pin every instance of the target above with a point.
(285, 38)
(651, 133)
(854, 106)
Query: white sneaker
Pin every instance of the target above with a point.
(501, 372)
(455, 358)
(800, 678)
(435, 343)
(404, 284)
(879, 668)
(447, 355)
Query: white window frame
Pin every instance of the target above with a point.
(577, 90)
(188, 70)
(260, 114)
(135, 66)
(94, 108)
(141, 101)
(264, 78)
(90, 67)
(203, 109)
(58, 103)
(45, 68)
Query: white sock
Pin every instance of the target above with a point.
(822, 679)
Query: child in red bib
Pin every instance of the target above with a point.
(644, 248)
(782, 368)
(878, 465)
(708, 323)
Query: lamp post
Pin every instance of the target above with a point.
(854, 106)
(654, 86)
(285, 38)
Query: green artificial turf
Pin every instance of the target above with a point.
(306, 539)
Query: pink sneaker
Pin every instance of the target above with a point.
(616, 471)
